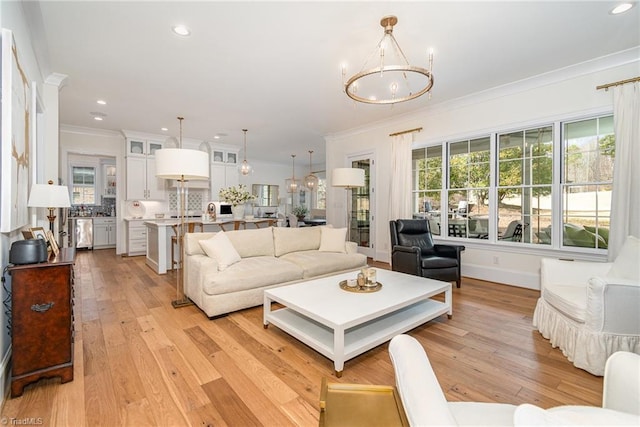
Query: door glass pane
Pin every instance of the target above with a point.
(360, 222)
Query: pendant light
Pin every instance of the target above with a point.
(292, 183)
(310, 181)
(245, 168)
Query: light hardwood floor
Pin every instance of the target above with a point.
(139, 362)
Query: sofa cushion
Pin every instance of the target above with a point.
(286, 240)
(569, 300)
(251, 273)
(333, 239)
(626, 264)
(252, 242)
(220, 248)
(192, 242)
(316, 263)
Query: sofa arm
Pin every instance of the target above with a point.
(621, 389)
(449, 251)
(570, 273)
(406, 259)
(612, 306)
(423, 400)
(351, 247)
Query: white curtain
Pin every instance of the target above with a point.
(400, 203)
(625, 200)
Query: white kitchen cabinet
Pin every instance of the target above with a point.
(136, 237)
(109, 180)
(104, 233)
(142, 183)
(224, 169)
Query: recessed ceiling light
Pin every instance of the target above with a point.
(181, 30)
(101, 102)
(621, 8)
(164, 129)
(97, 115)
(98, 118)
(216, 137)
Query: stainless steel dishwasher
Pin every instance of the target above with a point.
(81, 232)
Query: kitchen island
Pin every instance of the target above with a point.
(160, 231)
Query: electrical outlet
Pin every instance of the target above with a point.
(496, 260)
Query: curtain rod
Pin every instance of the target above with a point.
(621, 82)
(405, 131)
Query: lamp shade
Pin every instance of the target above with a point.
(347, 177)
(49, 196)
(181, 163)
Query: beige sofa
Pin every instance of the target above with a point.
(268, 257)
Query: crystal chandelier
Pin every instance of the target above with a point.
(310, 181)
(291, 183)
(245, 168)
(386, 77)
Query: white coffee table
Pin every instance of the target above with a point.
(342, 325)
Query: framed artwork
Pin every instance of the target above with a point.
(39, 233)
(52, 243)
(16, 139)
(27, 234)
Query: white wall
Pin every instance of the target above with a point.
(564, 94)
(12, 17)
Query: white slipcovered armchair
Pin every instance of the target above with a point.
(425, 404)
(591, 309)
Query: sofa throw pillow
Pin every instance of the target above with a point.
(220, 248)
(626, 264)
(333, 240)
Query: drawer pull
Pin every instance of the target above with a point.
(41, 308)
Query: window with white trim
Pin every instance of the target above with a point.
(526, 203)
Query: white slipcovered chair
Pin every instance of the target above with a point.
(426, 405)
(591, 309)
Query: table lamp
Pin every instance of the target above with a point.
(51, 197)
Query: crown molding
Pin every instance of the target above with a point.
(57, 79)
(80, 130)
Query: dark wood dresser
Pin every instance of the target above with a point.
(42, 321)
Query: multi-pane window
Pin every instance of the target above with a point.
(525, 178)
(427, 179)
(587, 181)
(468, 195)
(84, 185)
(527, 203)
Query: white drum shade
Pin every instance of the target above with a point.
(347, 177)
(181, 163)
(49, 196)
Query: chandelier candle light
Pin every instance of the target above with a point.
(245, 168)
(310, 181)
(387, 77)
(182, 165)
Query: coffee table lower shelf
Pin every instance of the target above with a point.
(339, 345)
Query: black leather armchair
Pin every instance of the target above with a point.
(413, 252)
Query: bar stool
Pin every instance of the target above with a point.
(191, 227)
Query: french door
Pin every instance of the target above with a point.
(361, 215)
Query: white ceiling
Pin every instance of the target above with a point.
(274, 67)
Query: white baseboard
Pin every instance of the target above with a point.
(5, 376)
(501, 275)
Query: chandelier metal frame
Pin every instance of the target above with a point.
(351, 85)
(310, 181)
